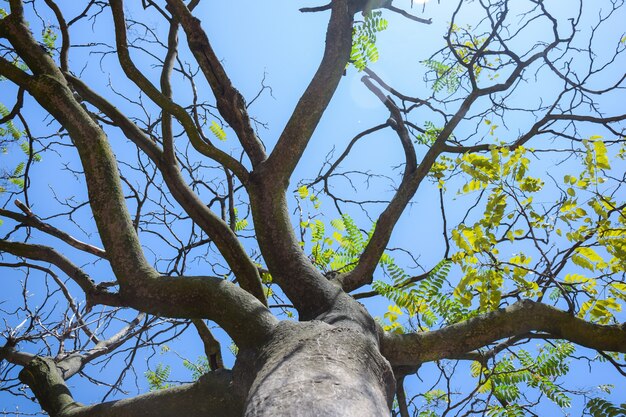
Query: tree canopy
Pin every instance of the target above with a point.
(362, 208)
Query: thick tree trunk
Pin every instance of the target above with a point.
(317, 369)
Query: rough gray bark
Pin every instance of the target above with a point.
(319, 370)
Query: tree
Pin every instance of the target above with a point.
(192, 221)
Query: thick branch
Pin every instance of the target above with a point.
(224, 238)
(10, 71)
(310, 292)
(45, 380)
(212, 394)
(308, 112)
(519, 318)
(10, 354)
(239, 313)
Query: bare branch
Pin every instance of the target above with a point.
(19, 102)
(65, 34)
(48, 254)
(30, 219)
(408, 15)
(162, 101)
(212, 347)
(230, 102)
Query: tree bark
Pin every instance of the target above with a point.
(317, 369)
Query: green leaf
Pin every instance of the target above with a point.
(602, 160)
(157, 378)
(588, 258)
(49, 39)
(217, 131)
(599, 407)
(303, 192)
(364, 50)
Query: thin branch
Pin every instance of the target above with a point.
(408, 15)
(135, 75)
(65, 35)
(30, 219)
(230, 102)
(212, 348)
(19, 102)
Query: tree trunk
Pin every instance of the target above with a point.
(317, 369)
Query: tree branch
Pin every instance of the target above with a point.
(32, 220)
(166, 88)
(362, 274)
(19, 102)
(212, 347)
(66, 293)
(10, 354)
(135, 75)
(224, 238)
(43, 253)
(243, 317)
(10, 71)
(65, 34)
(519, 318)
(212, 394)
(45, 380)
(397, 123)
(317, 8)
(230, 102)
(308, 112)
(72, 364)
(408, 15)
